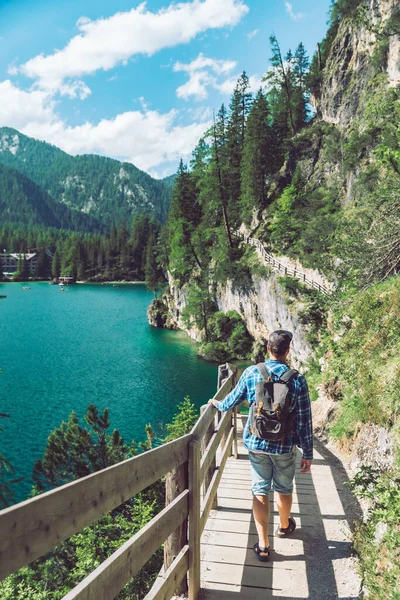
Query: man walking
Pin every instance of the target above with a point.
(272, 460)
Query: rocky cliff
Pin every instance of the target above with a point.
(350, 62)
(264, 308)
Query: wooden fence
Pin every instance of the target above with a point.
(276, 265)
(32, 528)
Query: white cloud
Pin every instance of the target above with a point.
(74, 89)
(19, 109)
(202, 72)
(146, 138)
(218, 66)
(294, 16)
(196, 86)
(252, 34)
(103, 43)
(227, 86)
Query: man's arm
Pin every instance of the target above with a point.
(304, 427)
(235, 397)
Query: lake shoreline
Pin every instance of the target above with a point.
(76, 283)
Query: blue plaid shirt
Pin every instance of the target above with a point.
(302, 435)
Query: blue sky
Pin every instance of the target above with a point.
(137, 81)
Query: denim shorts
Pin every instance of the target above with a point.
(272, 472)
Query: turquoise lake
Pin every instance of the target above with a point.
(59, 351)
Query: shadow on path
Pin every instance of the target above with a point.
(315, 562)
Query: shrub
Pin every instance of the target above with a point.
(377, 541)
(228, 338)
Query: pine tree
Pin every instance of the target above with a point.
(56, 265)
(139, 236)
(22, 273)
(184, 217)
(73, 451)
(42, 265)
(154, 275)
(200, 306)
(6, 493)
(219, 169)
(300, 95)
(260, 157)
(278, 78)
(239, 110)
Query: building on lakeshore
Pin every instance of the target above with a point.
(10, 261)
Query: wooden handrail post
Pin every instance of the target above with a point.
(175, 483)
(235, 440)
(194, 519)
(204, 443)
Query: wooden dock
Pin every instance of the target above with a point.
(315, 562)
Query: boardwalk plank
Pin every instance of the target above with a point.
(311, 564)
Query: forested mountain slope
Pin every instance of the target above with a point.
(100, 187)
(22, 202)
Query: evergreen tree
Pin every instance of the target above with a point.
(73, 451)
(184, 217)
(300, 95)
(154, 275)
(22, 273)
(288, 94)
(219, 192)
(278, 78)
(43, 266)
(261, 157)
(200, 306)
(56, 265)
(6, 494)
(139, 237)
(183, 421)
(239, 110)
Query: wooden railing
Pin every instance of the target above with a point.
(32, 528)
(276, 265)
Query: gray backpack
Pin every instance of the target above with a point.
(270, 418)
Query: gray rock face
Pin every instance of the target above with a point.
(374, 447)
(347, 68)
(263, 310)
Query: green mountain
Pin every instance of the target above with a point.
(23, 202)
(100, 187)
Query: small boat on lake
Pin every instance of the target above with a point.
(3, 297)
(26, 287)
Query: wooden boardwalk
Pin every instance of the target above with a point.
(315, 562)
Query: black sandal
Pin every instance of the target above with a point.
(284, 531)
(258, 551)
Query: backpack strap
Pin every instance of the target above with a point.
(265, 374)
(288, 375)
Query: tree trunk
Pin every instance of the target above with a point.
(287, 90)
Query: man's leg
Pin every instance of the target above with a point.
(261, 473)
(283, 476)
(284, 503)
(261, 517)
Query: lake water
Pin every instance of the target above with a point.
(59, 351)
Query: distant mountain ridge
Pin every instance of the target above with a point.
(102, 189)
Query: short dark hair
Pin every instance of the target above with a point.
(279, 341)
